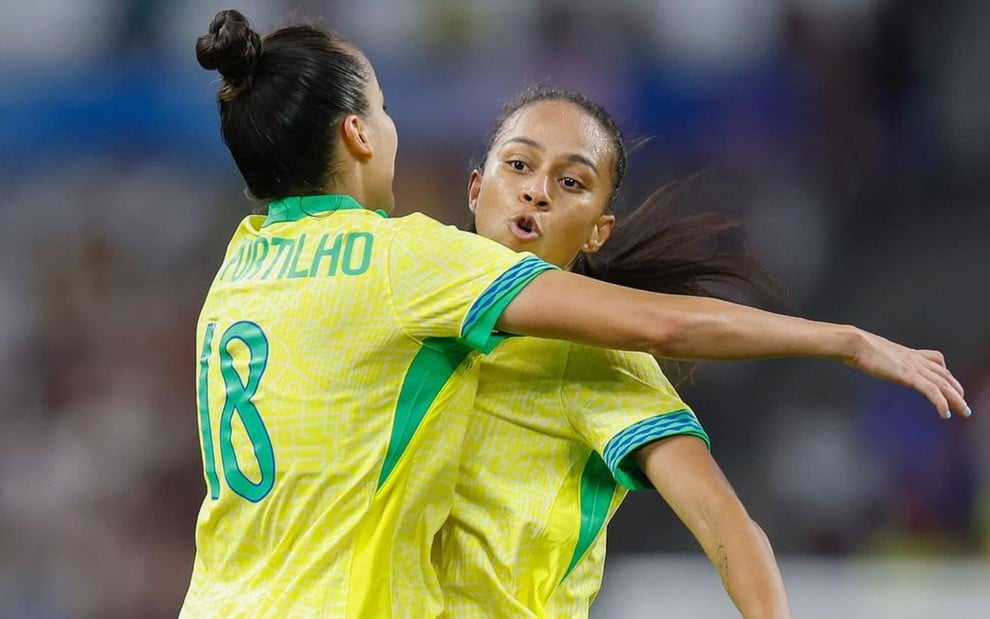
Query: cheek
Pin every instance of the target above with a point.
(483, 214)
(581, 223)
(393, 134)
(385, 134)
(575, 232)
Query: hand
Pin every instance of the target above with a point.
(922, 370)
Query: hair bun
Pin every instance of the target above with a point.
(230, 47)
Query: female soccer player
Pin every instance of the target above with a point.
(561, 431)
(333, 339)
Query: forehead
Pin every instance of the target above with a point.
(560, 126)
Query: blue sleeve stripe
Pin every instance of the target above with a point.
(654, 428)
(521, 270)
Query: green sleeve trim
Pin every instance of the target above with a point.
(479, 325)
(597, 491)
(621, 448)
(429, 371)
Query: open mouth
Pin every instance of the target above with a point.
(525, 227)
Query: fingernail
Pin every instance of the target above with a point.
(969, 411)
(948, 414)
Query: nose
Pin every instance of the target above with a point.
(536, 194)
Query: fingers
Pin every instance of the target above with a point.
(937, 362)
(922, 370)
(935, 356)
(949, 392)
(931, 391)
(947, 375)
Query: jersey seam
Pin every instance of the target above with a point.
(388, 282)
(617, 487)
(564, 407)
(655, 387)
(541, 533)
(583, 441)
(614, 505)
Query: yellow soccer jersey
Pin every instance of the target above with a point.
(547, 459)
(333, 378)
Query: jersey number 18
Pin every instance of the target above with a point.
(237, 400)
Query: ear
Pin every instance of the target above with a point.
(599, 234)
(474, 189)
(354, 131)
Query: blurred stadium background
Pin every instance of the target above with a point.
(852, 137)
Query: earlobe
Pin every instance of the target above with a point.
(599, 234)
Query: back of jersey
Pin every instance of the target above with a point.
(330, 343)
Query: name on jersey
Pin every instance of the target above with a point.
(347, 253)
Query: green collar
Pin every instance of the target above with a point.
(295, 208)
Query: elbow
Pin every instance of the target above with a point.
(756, 532)
(726, 514)
(677, 335)
(761, 535)
(745, 520)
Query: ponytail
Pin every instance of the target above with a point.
(655, 249)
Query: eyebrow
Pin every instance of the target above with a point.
(575, 157)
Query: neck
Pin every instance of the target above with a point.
(348, 183)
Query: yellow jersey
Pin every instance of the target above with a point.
(548, 457)
(334, 380)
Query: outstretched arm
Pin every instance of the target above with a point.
(566, 306)
(684, 473)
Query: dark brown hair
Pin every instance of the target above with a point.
(655, 248)
(280, 95)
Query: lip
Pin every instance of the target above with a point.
(525, 227)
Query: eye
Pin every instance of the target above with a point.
(572, 183)
(517, 165)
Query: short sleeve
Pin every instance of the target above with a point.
(448, 283)
(620, 401)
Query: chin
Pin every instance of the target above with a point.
(515, 244)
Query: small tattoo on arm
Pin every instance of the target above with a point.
(722, 564)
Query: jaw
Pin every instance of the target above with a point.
(515, 243)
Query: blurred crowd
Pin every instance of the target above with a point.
(851, 138)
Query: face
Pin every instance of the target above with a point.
(546, 183)
(380, 169)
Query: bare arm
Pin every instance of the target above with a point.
(566, 306)
(687, 477)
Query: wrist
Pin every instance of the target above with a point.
(847, 343)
